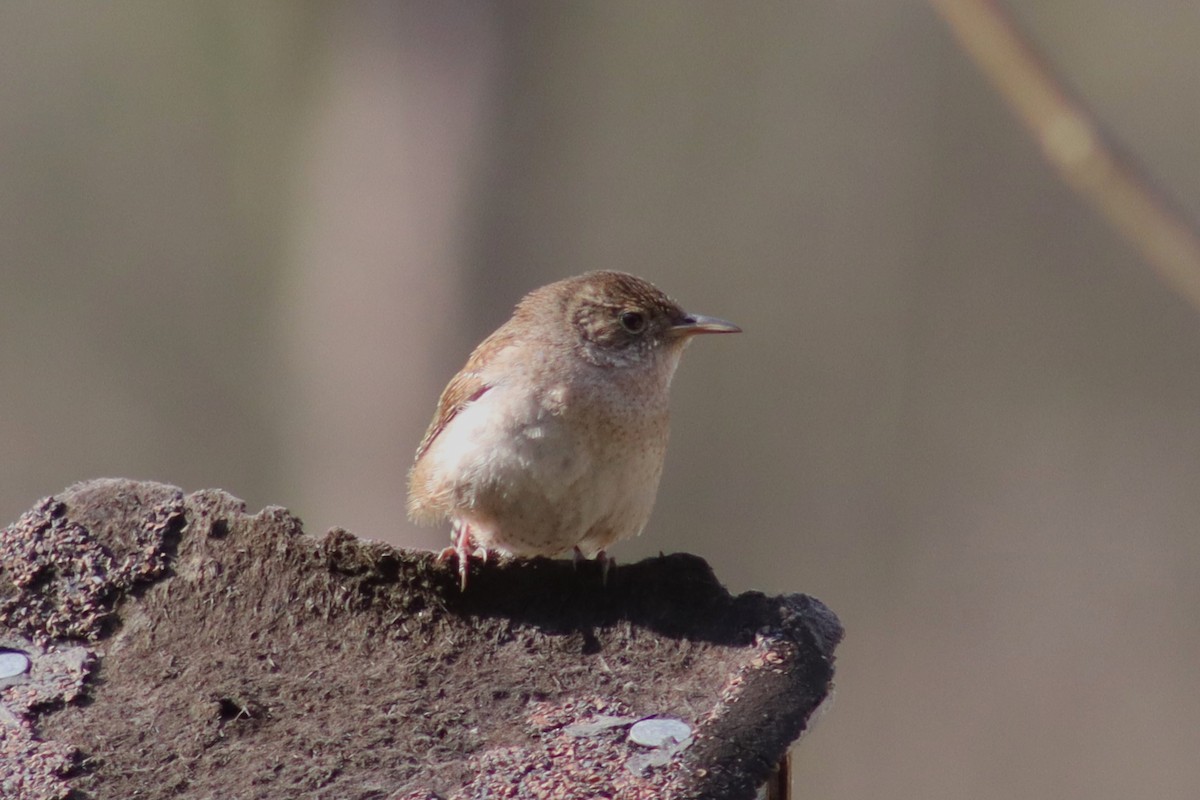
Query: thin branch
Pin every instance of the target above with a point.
(1074, 143)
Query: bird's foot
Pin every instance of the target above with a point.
(607, 562)
(461, 550)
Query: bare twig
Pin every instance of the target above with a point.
(1074, 143)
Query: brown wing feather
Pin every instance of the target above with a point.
(465, 387)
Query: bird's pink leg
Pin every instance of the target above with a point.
(461, 549)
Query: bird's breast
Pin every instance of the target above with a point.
(545, 473)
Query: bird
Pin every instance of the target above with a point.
(551, 439)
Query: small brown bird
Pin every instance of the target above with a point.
(552, 437)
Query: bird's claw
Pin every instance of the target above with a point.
(461, 550)
(607, 562)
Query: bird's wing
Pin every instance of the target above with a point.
(463, 389)
(466, 387)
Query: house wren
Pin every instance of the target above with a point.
(552, 438)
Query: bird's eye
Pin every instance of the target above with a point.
(633, 321)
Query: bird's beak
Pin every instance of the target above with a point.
(693, 324)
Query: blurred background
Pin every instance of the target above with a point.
(244, 245)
